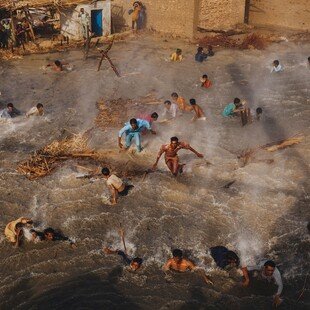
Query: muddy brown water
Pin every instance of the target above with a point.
(264, 213)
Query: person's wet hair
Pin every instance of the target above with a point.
(167, 102)
(19, 225)
(10, 105)
(204, 76)
(177, 253)
(192, 101)
(199, 49)
(210, 48)
(154, 115)
(276, 62)
(39, 105)
(259, 110)
(57, 63)
(133, 121)
(232, 256)
(178, 51)
(137, 260)
(105, 171)
(174, 139)
(270, 263)
(174, 95)
(48, 230)
(236, 101)
(32, 230)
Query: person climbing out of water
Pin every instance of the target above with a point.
(205, 82)
(276, 67)
(14, 230)
(199, 114)
(177, 55)
(226, 259)
(269, 273)
(180, 101)
(51, 234)
(133, 130)
(116, 186)
(36, 111)
(9, 112)
(181, 264)
(171, 155)
(151, 118)
(200, 55)
(233, 109)
(170, 110)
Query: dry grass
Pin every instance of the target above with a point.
(45, 160)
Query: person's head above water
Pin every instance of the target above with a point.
(105, 171)
(174, 96)
(133, 123)
(10, 107)
(259, 111)
(205, 77)
(136, 263)
(232, 258)
(269, 268)
(199, 49)
(177, 255)
(49, 233)
(154, 116)
(178, 51)
(57, 63)
(237, 102)
(174, 142)
(40, 107)
(210, 48)
(276, 63)
(192, 101)
(167, 103)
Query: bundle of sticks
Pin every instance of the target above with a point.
(45, 160)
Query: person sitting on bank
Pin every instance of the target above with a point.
(205, 82)
(269, 273)
(116, 186)
(177, 55)
(181, 264)
(276, 66)
(9, 112)
(14, 230)
(232, 109)
(200, 55)
(199, 114)
(132, 130)
(36, 111)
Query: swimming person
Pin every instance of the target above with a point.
(116, 186)
(181, 264)
(199, 114)
(14, 230)
(276, 66)
(170, 110)
(177, 55)
(9, 112)
(36, 111)
(232, 109)
(171, 155)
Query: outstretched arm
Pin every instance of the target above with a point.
(158, 157)
(194, 151)
(246, 280)
(114, 193)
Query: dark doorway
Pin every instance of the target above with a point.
(96, 22)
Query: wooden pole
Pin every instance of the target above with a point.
(28, 17)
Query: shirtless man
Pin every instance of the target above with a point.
(171, 155)
(181, 264)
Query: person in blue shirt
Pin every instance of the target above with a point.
(200, 55)
(132, 130)
(232, 109)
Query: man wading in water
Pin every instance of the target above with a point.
(171, 155)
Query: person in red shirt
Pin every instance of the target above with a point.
(205, 82)
(151, 118)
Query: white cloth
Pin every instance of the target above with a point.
(115, 181)
(277, 69)
(84, 18)
(172, 111)
(33, 111)
(276, 276)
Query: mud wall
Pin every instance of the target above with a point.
(176, 17)
(293, 14)
(220, 14)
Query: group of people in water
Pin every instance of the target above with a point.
(134, 130)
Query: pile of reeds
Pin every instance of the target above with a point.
(253, 41)
(45, 160)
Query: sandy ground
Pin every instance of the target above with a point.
(263, 214)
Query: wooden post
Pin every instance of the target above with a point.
(28, 17)
(12, 29)
(247, 11)
(87, 43)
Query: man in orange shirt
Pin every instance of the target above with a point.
(180, 101)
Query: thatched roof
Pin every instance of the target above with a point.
(16, 4)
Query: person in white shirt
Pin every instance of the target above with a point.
(116, 185)
(268, 272)
(36, 111)
(276, 66)
(171, 110)
(84, 17)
